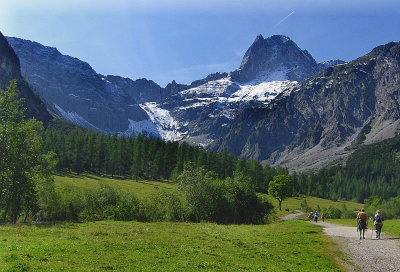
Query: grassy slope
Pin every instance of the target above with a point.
(139, 188)
(293, 203)
(143, 188)
(132, 246)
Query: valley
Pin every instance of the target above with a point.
(173, 136)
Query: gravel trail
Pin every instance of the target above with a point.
(293, 216)
(369, 255)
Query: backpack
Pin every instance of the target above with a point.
(378, 218)
(362, 216)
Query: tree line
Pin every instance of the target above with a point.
(80, 150)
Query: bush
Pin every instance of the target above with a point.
(233, 200)
(304, 206)
(332, 212)
(127, 208)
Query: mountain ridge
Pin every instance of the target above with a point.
(325, 116)
(197, 113)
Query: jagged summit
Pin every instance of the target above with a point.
(259, 37)
(275, 58)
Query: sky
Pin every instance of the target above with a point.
(186, 40)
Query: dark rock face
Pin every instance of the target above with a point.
(209, 78)
(75, 91)
(322, 118)
(277, 58)
(9, 70)
(141, 90)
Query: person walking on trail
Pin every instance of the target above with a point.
(323, 217)
(362, 222)
(378, 223)
(310, 216)
(316, 215)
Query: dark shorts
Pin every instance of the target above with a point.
(378, 226)
(362, 225)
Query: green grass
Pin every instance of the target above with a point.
(143, 188)
(133, 246)
(140, 189)
(293, 203)
(391, 226)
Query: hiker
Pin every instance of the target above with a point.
(362, 223)
(323, 217)
(378, 223)
(310, 216)
(316, 215)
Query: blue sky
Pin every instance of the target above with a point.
(185, 40)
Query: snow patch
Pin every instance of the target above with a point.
(75, 118)
(144, 127)
(284, 39)
(262, 92)
(166, 126)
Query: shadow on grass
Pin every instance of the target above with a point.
(62, 224)
(97, 176)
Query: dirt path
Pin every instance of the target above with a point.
(369, 255)
(293, 216)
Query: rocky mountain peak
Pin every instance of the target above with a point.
(275, 58)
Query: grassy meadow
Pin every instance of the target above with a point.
(140, 188)
(143, 188)
(133, 246)
(166, 246)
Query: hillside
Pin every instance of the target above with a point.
(144, 189)
(372, 170)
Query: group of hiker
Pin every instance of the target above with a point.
(315, 216)
(362, 223)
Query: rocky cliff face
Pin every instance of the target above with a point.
(324, 117)
(78, 94)
(9, 70)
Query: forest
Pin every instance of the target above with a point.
(372, 170)
(80, 150)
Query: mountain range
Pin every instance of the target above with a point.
(194, 113)
(280, 106)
